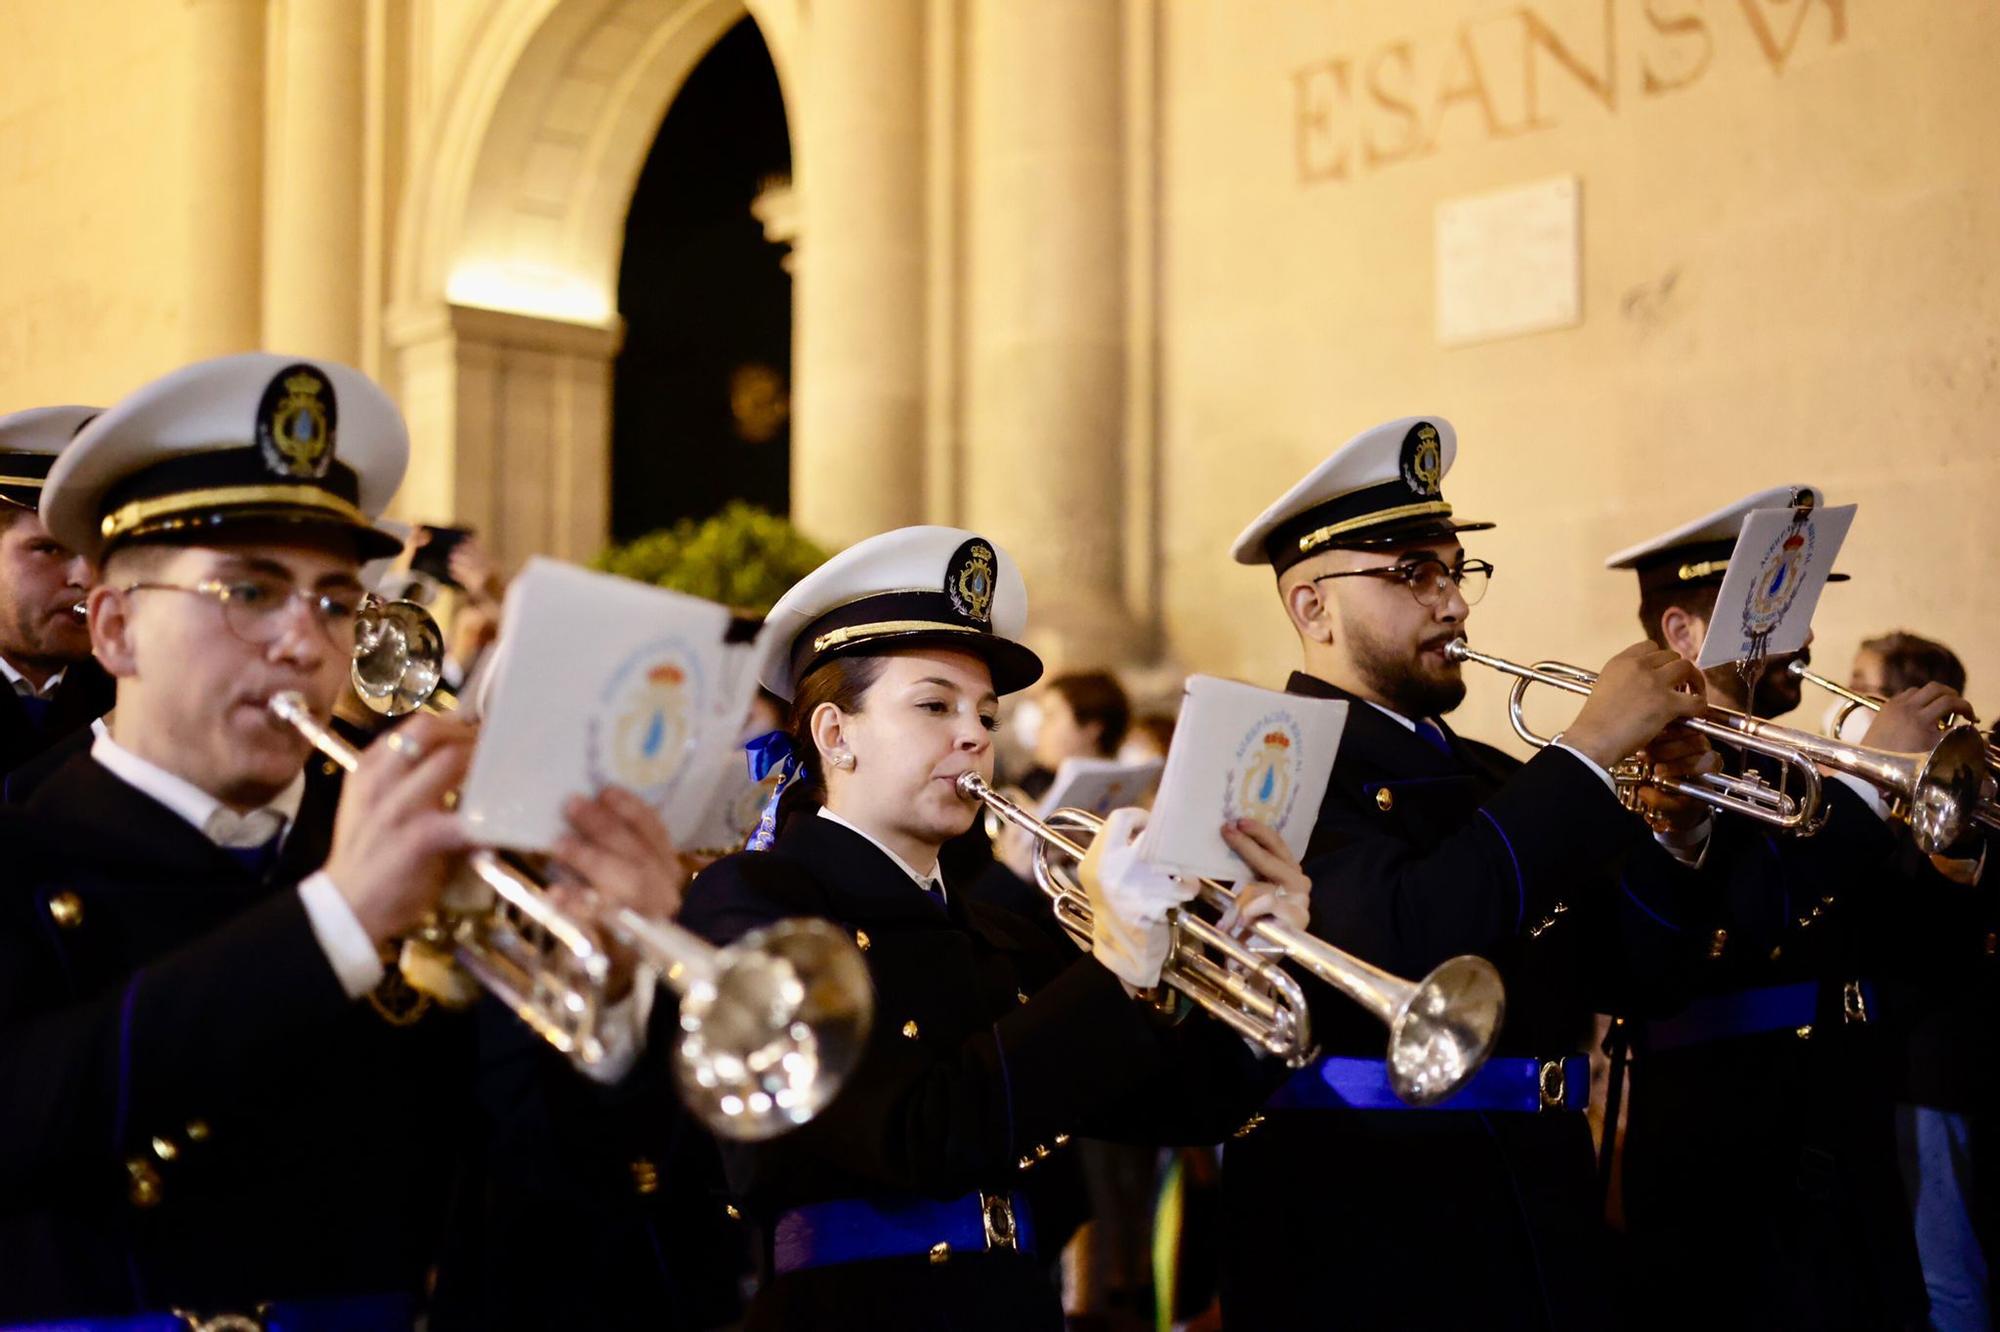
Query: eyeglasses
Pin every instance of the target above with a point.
(1428, 579)
(254, 607)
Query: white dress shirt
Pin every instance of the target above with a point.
(24, 686)
(932, 883)
(338, 931)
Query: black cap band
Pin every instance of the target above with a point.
(910, 618)
(22, 475)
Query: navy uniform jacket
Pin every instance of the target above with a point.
(196, 1114)
(85, 694)
(1767, 1160)
(1421, 854)
(993, 1042)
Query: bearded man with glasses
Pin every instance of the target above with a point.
(1480, 1212)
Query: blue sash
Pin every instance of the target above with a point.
(1522, 1084)
(342, 1313)
(1721, 1017)
(853, 1230)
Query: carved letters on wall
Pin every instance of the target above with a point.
(1517, 71)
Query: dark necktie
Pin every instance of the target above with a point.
(252, 840)
(37, 709)
(1433, 735)
(256, 860)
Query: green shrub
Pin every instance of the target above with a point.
(742, 557)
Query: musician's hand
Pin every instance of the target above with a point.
(1639, 693)
(1910, 721)
(1129, 902)
(1280, 888)
(1681, 754)
(618, 853)
(393, 839)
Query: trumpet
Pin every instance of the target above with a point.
(770, 1025)
(1988, 813)
(1440, 1028)
(1938, 794)
(1749, 795)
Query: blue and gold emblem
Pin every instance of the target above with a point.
(1263, 777)
(1779, 579)
(1422, 459)
(643, 732)
(296, 420)
(969, 580)
(1264, 780)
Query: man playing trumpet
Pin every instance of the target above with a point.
(212, 1105)
(1480, 1212)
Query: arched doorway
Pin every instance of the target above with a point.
(503, 322)
(701, 389)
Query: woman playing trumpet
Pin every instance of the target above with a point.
(934, 1191)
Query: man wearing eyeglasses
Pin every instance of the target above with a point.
(55, 687)
(215, 1100)
(1481, 1212)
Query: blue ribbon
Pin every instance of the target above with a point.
(769, 752)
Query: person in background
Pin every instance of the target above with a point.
(1084, 714)
(56, 688)
(1152, 734)
(1940, 1017)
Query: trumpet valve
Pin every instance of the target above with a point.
(430, 969)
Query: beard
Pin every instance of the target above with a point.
(41, 640)
(1413, 684)
(1776, 693)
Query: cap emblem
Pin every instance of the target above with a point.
(295, 423)
(1422, 459)
(969, 580)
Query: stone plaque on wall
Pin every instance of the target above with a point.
(1509, 262)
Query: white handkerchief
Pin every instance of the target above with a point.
(1240, 752)
(603, 681)
(1775, 577)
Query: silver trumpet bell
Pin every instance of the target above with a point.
(1938, 779)
(398, 656)
(1440, 1028)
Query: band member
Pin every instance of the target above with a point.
(56, 686)
(1760, 1143)
(1429, 845)
(936, 1189)
(217, 1099)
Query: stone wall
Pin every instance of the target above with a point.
(1789, 217)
